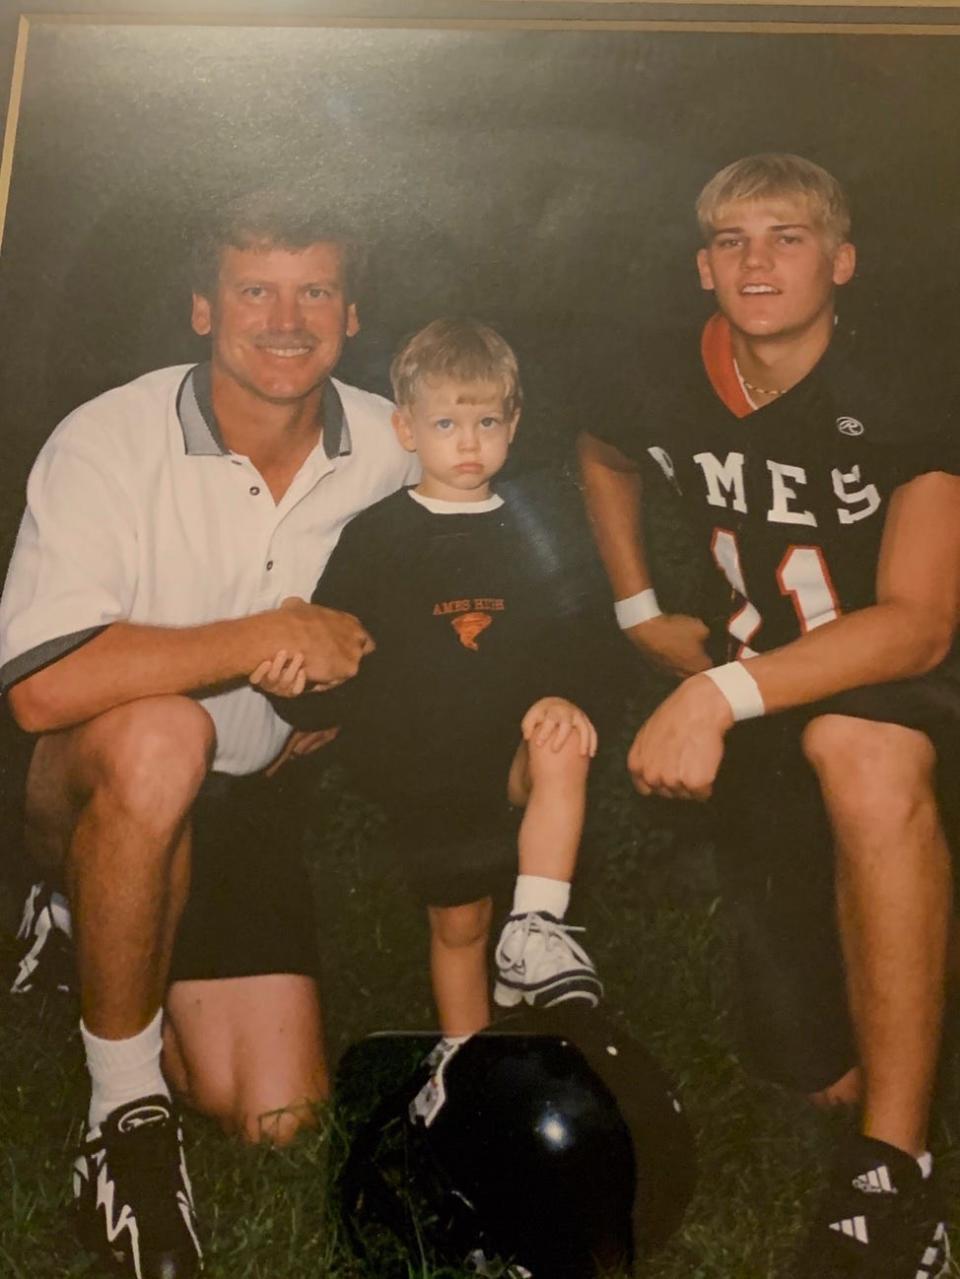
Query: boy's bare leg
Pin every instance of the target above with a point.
(248, 1051)
(458, 965)
(551, 786)
(894, 896)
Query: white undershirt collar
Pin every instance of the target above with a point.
(441, 506)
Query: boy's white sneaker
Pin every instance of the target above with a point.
(538, 962)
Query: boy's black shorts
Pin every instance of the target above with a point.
(775, 857)
(457, 848)
(250, 907)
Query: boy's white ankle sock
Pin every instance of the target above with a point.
(926, 1164)
(122, 1070)
(537, 893)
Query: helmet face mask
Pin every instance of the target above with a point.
(546, 1148)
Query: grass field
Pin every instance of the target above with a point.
(655, 927)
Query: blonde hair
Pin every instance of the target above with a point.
(775, 174)
(461, 349)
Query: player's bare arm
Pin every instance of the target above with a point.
(906, 633)
(551, 720)
(614, 495)
(127, 661)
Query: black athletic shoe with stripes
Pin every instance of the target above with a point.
(44, 962)
(879, 1219)
(133, 1198)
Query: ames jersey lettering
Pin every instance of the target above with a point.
(790, 500)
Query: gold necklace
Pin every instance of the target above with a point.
(757, 390)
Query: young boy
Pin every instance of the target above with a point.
(471, 654)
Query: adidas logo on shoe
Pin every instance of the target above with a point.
(875, 1182)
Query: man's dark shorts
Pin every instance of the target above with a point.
(775, 858)
(250, 909)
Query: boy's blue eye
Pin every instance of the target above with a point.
(488, 423)
(444, 424)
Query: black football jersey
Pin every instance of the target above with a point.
(790, 500)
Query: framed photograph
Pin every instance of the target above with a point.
(533, 163)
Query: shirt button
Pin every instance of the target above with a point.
(269, 565)
(254, 490)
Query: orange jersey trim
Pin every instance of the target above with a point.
(716, 348)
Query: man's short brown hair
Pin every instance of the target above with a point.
(268, 220)
(773, 174)
(463, 350)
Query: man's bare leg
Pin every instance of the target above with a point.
(894, 901)
(248, 1051)
(110, 801)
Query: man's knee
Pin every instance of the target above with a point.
(877, 773)
(245, 1102)
(152, 755)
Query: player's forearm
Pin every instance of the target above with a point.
(127, 661)
(614, 499)
(876, 645)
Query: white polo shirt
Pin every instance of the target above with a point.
(136, 511)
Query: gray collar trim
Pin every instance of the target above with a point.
(201, 434)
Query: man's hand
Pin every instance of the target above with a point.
(332, 643)
(673, 642)
(301, 742)
(553, 719)
(678, 750)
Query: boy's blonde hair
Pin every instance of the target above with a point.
(463, 350)
(775, 174)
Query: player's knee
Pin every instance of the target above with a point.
(154, 754)
(876, 772)
(459, 926)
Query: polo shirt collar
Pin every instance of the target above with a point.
(201, 434)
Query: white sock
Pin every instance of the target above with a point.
(537, 893)
(926, 1164)
(122, 1070)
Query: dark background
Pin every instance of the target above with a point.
(543, 180)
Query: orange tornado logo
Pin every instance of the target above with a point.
(469, 626)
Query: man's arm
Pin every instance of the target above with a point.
(127, 661)
(613, 492)
(906, 633)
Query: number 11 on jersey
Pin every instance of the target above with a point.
(802, 574)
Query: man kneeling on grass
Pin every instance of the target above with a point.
(469, 651)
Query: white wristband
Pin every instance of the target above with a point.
(637, 608)
(739, 688)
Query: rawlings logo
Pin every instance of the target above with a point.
(849, 426)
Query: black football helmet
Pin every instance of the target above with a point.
(550, 1146)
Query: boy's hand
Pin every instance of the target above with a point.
(673, 642)
(301, 742)
(283, 677)
(553, 719)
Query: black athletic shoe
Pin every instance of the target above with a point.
(132, 1193)
(45, 962)
(879, 1219)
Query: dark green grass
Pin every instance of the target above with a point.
(655, 928)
